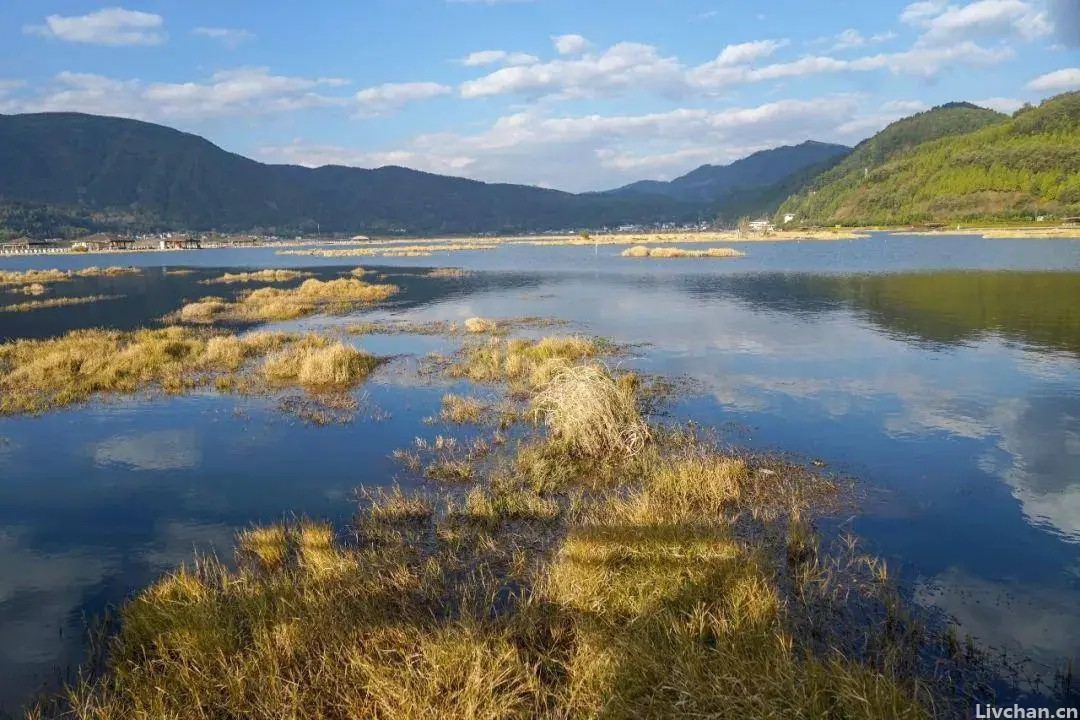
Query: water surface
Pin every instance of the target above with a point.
(944, 373)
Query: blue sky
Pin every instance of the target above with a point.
(572, 94)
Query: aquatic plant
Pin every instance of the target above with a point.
(458, 409)
(641, 251)
(317, 362)
(524, 362)
(270, 276)
(478, 325)
(269, 303)
(56, 302)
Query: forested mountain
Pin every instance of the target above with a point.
(79, 171)
(763, 169)
(971, 164)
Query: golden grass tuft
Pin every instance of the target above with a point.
(459, 409)
(317, 362)
(269, 304)
(37, 375)
(269, 275)
(34, 289)
(585, 408)
(46, 277)
(529, 363)
(644, 251)
(478, 325)
(56, 302)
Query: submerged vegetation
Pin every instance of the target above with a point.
(269, 304)
(658, 577)
(642, 251)
(37, 375)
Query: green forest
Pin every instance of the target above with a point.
(1019, 167)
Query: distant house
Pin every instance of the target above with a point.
(180, 242)
(761, 226)
(104, 241)
(24, 245)
(1071, 221)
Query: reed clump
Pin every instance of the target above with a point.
(38, 375)
(56, 302)
(524, 363)
(269, 304)
(460, 409)
(644, 251)
(46, 277)
(317, 362)
(268, 275)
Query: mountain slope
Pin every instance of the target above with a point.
(975, 164)
(766, 168)
(90, 171)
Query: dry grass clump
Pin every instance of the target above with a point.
(45, 277)
(270, 276)
(34, 289)
(585, 408)
(56, 302)
(643, 251)
(37, 375)
(478, 325)
(526, 363)
(448, 272)
(459, 409)
(318, 362)
(269, 304)
(396, 250)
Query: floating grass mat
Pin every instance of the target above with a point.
(56, 302)
(45, 277)
(269, 303)
(39, 375)
(644, 251)
(584, 573)
(268, 276)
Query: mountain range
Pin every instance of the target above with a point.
(69, 173)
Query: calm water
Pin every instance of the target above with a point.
(942, 372)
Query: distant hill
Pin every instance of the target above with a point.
(717, 183)
(79, 172)
(955, 162)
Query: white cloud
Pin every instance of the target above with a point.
(242, 91)
(501, 57)
(391, 97)
(570, 44)
(1058, 81)
(587, 152)
(1006, 19)
(230, 37)
(748, 52)
(109, 26)
(1001, 104)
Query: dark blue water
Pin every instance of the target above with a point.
(944, 373)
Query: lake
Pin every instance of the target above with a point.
(943, 373)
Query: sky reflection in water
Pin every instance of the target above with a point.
(944, 373)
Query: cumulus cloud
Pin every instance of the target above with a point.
(500, 57)
(588, 152)
(391, 97)
(1001, 104)
(1058, 81)
(1006, 19)
(570, 44)
(110, 26)
(241, 91)
(229, 37)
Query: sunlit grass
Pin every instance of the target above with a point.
(38, 375)
(269, 275)
(643, 251)
(55, 302)
(270, 304)
(524, 362)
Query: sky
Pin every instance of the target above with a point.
(577, 95)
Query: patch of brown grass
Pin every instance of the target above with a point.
(269, 304)
(644, 251)
(56, 302)
(317, 362)
(270, 276)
